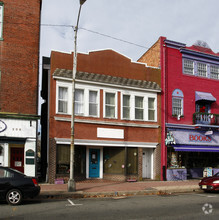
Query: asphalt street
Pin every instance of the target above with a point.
(182, 206)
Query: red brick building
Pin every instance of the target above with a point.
(19, 61)
(117, 117)
(190, 107)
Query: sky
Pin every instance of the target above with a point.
(129, 27)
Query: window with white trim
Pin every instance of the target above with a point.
(62, 99)
(188, 67)
(110, 105)
(139, 108)
(177, 102)
(202, 69)
(151, 109)
(126, 107)
(79, 101)
(214, 72)
(1, 19)
(93, 103)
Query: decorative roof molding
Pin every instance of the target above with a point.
(107, 79)
(198, 54)
(174, 44)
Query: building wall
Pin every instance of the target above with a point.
(188, 85)
(109, 63)
(170, 60)
(19, 52)
(152, 56)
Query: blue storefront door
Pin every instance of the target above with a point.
(94, 163)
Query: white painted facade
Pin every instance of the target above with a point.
(20, 133)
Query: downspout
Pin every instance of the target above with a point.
(164, 113)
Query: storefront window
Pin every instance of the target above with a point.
(132, 160)
(114, 160)
(63, 160)
(177, 159)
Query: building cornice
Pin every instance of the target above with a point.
(106, 80)
(189, 52)
(107, 122)
(191, 127)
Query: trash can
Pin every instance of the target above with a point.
(207, 172)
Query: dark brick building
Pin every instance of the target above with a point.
(19, 61)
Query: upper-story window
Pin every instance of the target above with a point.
(188, 67)
(62, 99)
(193, 67)
(1, 19)
(151, 109)
(139, 108)
(93, 103)
(86, 100)
(126, 107)
(177, 102)
(110, 105)
(214, 72)
(202, 69)
(79, 101)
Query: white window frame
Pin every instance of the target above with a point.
(97, 102)
(86, 89)
(180, 99)
(143, 108)
(80, 102)
(145, 96)
(63, 85)
(152, 109)
(184, 66)
(202, 68)
(214, 71)
(1, 19)
(122, 106)
(116, 104)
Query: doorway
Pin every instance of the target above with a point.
(147, 163)
(94, 163)
(17, 158)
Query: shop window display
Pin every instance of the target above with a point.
(114, 160)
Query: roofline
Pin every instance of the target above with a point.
(105, 84)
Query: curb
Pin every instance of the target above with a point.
(152, 191)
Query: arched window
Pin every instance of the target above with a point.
(177, 102)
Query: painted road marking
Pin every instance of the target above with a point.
(207, 195)
(72, 203)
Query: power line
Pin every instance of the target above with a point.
(115, 38)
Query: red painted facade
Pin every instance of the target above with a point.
(169, 55)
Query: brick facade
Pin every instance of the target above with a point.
(137, 133)
(19, 57)
(19, 71)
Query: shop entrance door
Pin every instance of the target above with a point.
(17, 158)
(146, 163)
(94, 163)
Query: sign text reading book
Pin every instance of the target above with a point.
(199, 138)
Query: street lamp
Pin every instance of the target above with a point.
(71, 182)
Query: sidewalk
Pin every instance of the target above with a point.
(105, 188)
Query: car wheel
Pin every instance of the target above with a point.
(14, 197)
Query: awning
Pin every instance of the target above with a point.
(204, 96)
(196, 148)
